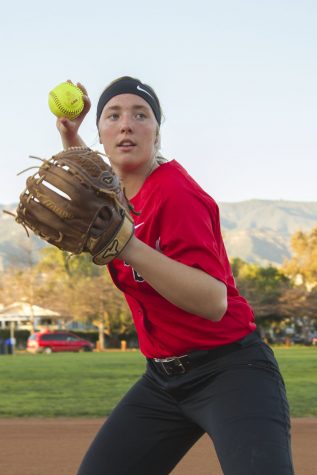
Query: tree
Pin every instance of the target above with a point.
(60, 276)
(77, 287)
(263, 287)
(18, 284)
(100, 302)
(302, 266)
(302, 270)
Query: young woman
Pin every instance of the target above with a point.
(207, 370)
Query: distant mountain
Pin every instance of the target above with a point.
(260, 230)
(15, 246)
(257, 231)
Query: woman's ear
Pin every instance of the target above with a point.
(157, 136)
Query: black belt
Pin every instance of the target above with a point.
(182, 364)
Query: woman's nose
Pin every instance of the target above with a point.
(126, 124)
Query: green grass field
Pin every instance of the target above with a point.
(90, 384)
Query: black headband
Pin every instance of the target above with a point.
(129, 86)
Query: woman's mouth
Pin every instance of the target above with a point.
(126, 144)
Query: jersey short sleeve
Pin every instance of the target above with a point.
(190, 230)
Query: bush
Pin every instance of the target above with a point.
(111, 341)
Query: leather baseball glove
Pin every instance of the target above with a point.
(74, 201)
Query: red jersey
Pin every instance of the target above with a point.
(178, 218)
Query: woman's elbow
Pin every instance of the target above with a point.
(213, 301)
(219, 303)
(220, 311)
(216, 312)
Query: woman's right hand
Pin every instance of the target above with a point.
(67, 128)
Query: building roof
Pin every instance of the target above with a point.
(19, 311)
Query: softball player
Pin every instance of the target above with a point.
(207, 370)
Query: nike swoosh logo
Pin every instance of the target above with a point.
(138, 225)
(143, 90)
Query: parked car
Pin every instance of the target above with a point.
(298, 340)
(53, 341)
(314, 339)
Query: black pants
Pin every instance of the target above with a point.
(238, 399)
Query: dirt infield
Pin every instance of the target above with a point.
(56, 447)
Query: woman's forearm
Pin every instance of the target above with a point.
(186, 287)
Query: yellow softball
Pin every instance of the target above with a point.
(66, 100)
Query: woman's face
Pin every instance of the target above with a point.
(128, 131)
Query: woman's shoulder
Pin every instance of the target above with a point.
(173, 179)
(171, 175)
(173, 170)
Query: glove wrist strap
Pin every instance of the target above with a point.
(114, 247)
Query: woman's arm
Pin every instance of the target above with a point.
(190, 289)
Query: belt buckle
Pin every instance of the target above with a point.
(172, 363)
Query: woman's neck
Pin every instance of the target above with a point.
(132, 181)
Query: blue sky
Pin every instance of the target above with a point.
(237, 82)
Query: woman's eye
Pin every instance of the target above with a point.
(140, 116)
(113, 116)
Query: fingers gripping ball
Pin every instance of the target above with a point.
(75, 202)
(66, 100)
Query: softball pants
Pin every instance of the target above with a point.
(238, 399)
